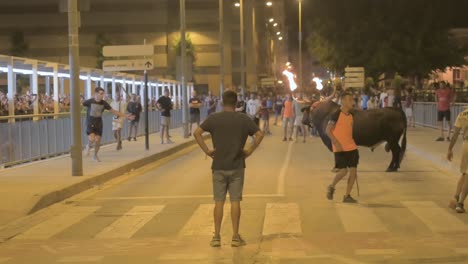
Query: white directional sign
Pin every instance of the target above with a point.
(128, 50)
(128, 65)
(354, 77)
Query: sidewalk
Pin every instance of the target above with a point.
(421, 141)
(31, 187)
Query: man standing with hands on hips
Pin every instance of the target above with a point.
(229, 131)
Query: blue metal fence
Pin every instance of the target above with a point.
(27, 141)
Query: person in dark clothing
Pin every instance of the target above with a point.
(134, 109)
(229, 131)
(165, 106)
(195, 104)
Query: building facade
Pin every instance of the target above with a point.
(37, 29)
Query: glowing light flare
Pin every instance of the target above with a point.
(318, 82)
(290, 76)
(237, 4)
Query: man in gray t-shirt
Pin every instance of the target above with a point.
(229, 131)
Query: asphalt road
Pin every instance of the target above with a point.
(162, 213)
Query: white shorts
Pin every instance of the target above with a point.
(409, 112)
(117, 123)
(464, 158)
(288, 121)
(298, 120)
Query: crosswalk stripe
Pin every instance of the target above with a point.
(127, 225)
(57, 224)
(282, 218)
(201, 222)
(434, 217)
(357, 218)
(2, 260)
(383, 251)
(463, 251)
(75, 259)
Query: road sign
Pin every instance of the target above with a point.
(128, 50)
(128, 65)
(354, 77)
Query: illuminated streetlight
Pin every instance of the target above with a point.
(237, 4)
(271, 20)
(269, 3)
(280, 38)
(278, 33)
(275, 24)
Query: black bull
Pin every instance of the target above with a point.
(370, 128)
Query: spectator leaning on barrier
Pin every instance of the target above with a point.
(164, 105)
(229, 131)
(444, 97)
(134, 109)
(409, 107)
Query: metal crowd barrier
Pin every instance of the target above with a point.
(425, 113)
(28, 140)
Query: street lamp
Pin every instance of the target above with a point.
(280, 38)
(300, 44)
(236, 4)
(278, 33)
(269, 3)
(275, 24)
(271, 20)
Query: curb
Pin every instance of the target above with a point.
(53, 197)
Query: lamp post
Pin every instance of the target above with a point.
(74, 60)
(241, 2)
(183, 52)
(300, 45)
(221, 47)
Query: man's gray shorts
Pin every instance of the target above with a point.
(231, 181)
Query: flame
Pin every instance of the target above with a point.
(290, 76)
(318, 82)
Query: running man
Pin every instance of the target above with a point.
(96, 107)
(340, 131)
(461, 124)
(229, 131)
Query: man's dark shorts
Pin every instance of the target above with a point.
(442, 114)
(195, 118)
(94, 128)
(231, 181)
(347, 159)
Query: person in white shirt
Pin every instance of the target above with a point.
(253, 108)
(383, 100)
(117, 122)
(461, 125)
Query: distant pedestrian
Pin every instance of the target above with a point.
(95, 107)
(165, 105)
(195, 104)
(211, 103)
(117, 121)
(288, 118)
(278, 107)
(461, 125)
(298, 104)
(265, 116)
(229, 131)
(134, 109)
(409, 107)
(241, 105)
(253, 109)
(364, 101)
(444, 97)
(340, 131)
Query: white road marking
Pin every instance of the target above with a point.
(127, 225)
(182, 197)
(434, 217)
(2, 260)
(284, 169)
(201, 222)
(383, 251)
(80, 259)
(282, 218)
(57, 224)
(356, 218)
(49, 249)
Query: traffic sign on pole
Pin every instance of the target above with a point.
(128, 65)
(354, 77)
(128, 50)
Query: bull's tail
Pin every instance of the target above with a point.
(403, 146)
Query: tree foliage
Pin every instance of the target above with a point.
(409, 37)
(101, 41)
(19, 46)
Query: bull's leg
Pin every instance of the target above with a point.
(395, 163)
